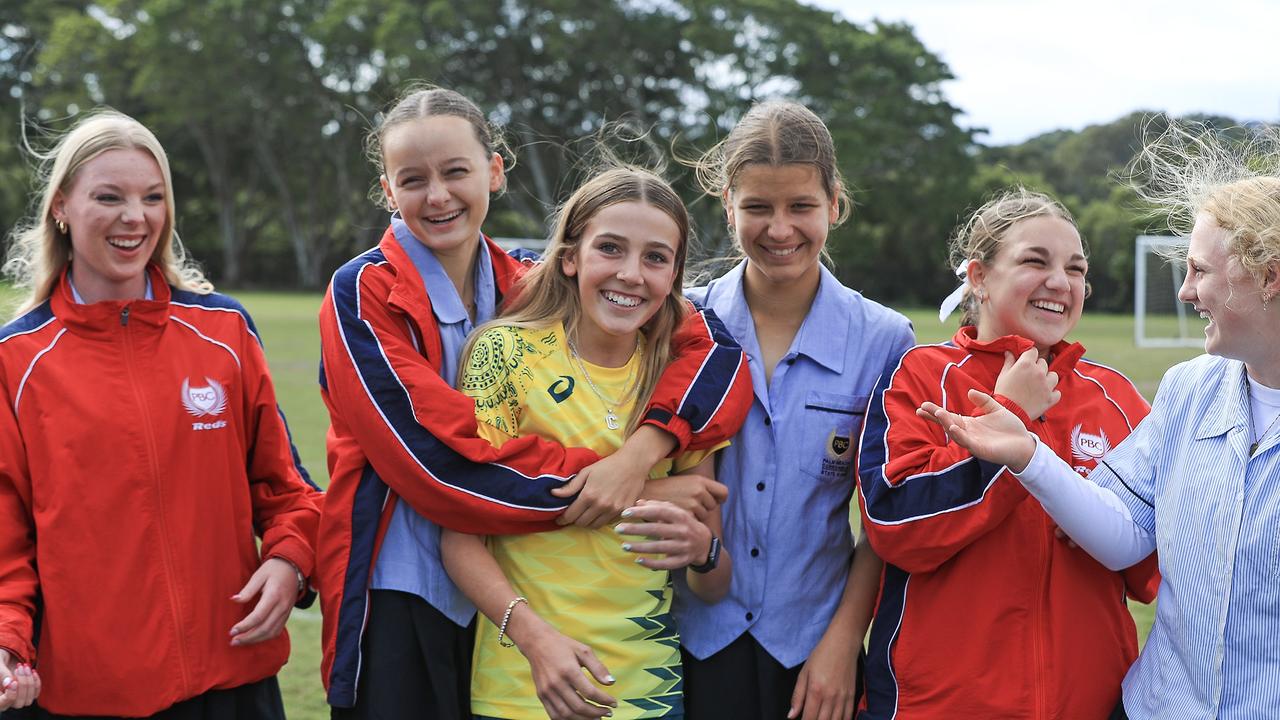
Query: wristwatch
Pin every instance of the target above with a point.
(713, 558)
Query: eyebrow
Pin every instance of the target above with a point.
(1044, 252)
(797, 198)
(116, 188)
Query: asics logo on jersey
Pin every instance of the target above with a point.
(206, 401)
(561, 389)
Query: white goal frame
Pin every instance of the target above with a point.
(1140, 338)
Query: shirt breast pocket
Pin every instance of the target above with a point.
(831, 423)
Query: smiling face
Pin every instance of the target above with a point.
(1226, 295)
(780, 215)
(1035, 285)
(625, 266)
(115, 212)
(439, 176)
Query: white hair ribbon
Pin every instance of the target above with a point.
(952, 301)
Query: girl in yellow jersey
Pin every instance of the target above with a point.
(580, 347)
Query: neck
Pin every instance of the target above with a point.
(785, 301)
(1267, 375)
(461, 269)
(600, 348)
(93, 290)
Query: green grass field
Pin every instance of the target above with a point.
(288, 326)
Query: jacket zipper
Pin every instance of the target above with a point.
(175, 604)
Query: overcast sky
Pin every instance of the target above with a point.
(1024, 67)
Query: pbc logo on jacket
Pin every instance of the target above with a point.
(1087, 448)
(209, 400)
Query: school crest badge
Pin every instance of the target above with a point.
(207, 400)
(1086, 447)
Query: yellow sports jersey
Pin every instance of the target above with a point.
(579, 580)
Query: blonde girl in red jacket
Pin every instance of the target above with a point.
(141, 452)
(983, 612)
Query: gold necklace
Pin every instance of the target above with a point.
(610, 406)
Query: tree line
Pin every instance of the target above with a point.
(263, 108)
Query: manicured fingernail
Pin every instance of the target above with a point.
(609, 679)
(626, 513)
(626, 546)
(639, 561)
(8, 681)
(619, 528)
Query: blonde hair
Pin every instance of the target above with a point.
(1189, 168)
(40, 251)
(546, 294)
(423, 100)
(983, 235)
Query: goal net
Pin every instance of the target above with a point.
(1160, 319)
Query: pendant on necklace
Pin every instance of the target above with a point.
(610, 419)
(1253, 449)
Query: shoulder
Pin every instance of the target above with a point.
(872, 317)
(1198, 377)
(370, 266)
(1109, 377)
(212, 310)
(502, 350)
(29, 324)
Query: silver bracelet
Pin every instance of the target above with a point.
(506, 618)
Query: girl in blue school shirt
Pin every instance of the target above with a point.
(787, 639)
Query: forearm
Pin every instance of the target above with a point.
(1090, 515)
(647, 446)
(712, 586)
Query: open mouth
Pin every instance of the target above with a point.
(1053, 307)
(442, 219)
(781, 252)
(621, 300)
(125, 243)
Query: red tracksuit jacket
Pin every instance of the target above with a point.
(982, 612)
(399, 432)
(141, 452)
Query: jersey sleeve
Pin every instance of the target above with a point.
(286, 506)
(19, 583)
(419, 434)
(922, 497)
(486, 377)
(705, 393)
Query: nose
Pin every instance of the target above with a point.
(132, 211)
(1057, 279)
(629, 269)
(437, 193)
(779, 228)
(1187, 291)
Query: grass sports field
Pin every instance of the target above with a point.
(288, 326)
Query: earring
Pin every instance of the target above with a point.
(1266, 300)
(62, 226)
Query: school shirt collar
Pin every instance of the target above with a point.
(1232, 402)
(147, 293)
(823, 336)
(446, 304)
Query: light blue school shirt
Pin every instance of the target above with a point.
(790, 471)
(410, 557)
(1186, 476)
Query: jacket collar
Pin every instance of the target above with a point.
(104, 319)
(1065, 355)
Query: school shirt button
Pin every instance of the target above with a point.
(760, 487)
(767, 422)
(751, 616)
(791, 361)
(755, 552)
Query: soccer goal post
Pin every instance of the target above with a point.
(1160, 319)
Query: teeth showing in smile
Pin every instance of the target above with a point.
(621, 300)
(1050, 306)
(782, 252)
(124, 244)
(444, 218)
